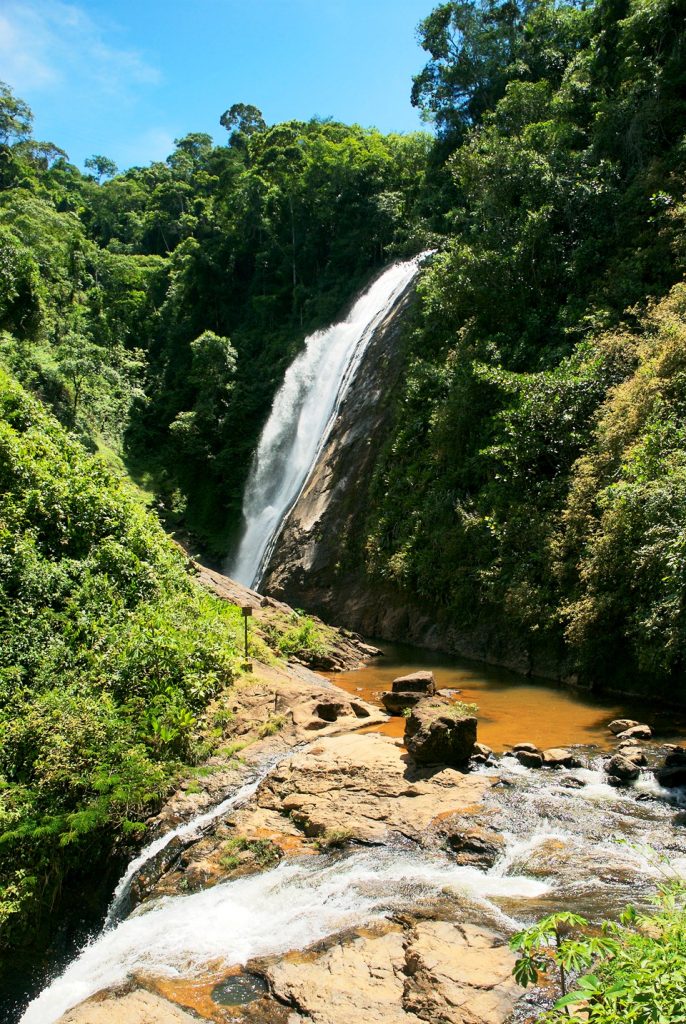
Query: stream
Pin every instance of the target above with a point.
(572, 841)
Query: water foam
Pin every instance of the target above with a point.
(290, 907)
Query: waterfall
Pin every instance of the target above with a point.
(302, 414)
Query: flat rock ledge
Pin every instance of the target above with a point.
(362, 787)
(407, 971)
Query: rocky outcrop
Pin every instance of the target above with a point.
(137, 1007)
(438, 732)
(407, 691)
(361, 788)
(429, 971)
(343, 650)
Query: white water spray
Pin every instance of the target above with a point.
(290, 907)
(302, 414)
(187, 829)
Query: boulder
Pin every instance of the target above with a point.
(559, 757)
(530, 747)
(475, 847)
(438, 732)
(676, 758)
(530, 758)
(633, 754)
(636, 732)
(621, 725)
(621, 769)
(397, 703)
(416, 682)
(481, 753)
(671, 777)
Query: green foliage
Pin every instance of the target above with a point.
(497, 499)
(264, 852)
(109, 653)
(638, 965)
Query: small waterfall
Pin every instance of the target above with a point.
(118, 906)
(290, 907)
(302, 414)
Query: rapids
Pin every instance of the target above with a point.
(301, 417)
(583, 848)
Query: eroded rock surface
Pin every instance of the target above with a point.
(137, 1007)
(436, 971)
(363, 787)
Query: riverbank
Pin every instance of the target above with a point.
(350, 882)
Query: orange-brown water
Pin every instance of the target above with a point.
(512, 709)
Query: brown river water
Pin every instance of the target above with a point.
(512, 709)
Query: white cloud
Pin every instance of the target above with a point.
(48, 45)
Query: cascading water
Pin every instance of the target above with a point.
(302, 415)
(558, 853)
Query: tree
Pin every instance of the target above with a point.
(102, 165)
(16, 116)
(242, 120)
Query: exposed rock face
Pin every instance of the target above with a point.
(435, 971)
(138, 1007)
(322, 527)
(361, 787)
(438, 733)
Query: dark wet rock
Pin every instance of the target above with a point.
(671, 777)
(621, 725)
(143, 884)
(560, 757)
(438, 732)
(676, 758)
(475, 847)
(529, 758)
(482, 754)
(572, 783)
(622, 769)
(398, 703)
(636, 732)
(415, 682)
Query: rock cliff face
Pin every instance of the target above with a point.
(319, 561)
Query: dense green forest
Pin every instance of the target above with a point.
(535, 481)
(545, 500)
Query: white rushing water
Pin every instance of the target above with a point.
(290, 907)
(185, 830)
(302, 414)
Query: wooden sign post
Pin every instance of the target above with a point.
(247, 612)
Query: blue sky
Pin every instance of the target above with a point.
(126, 77)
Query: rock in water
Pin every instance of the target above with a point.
(416, 682)
(636, 732)
(621, 725)
(530, 758)
(397, 703)
(438, 732)
(622, 769)
(559, 757)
